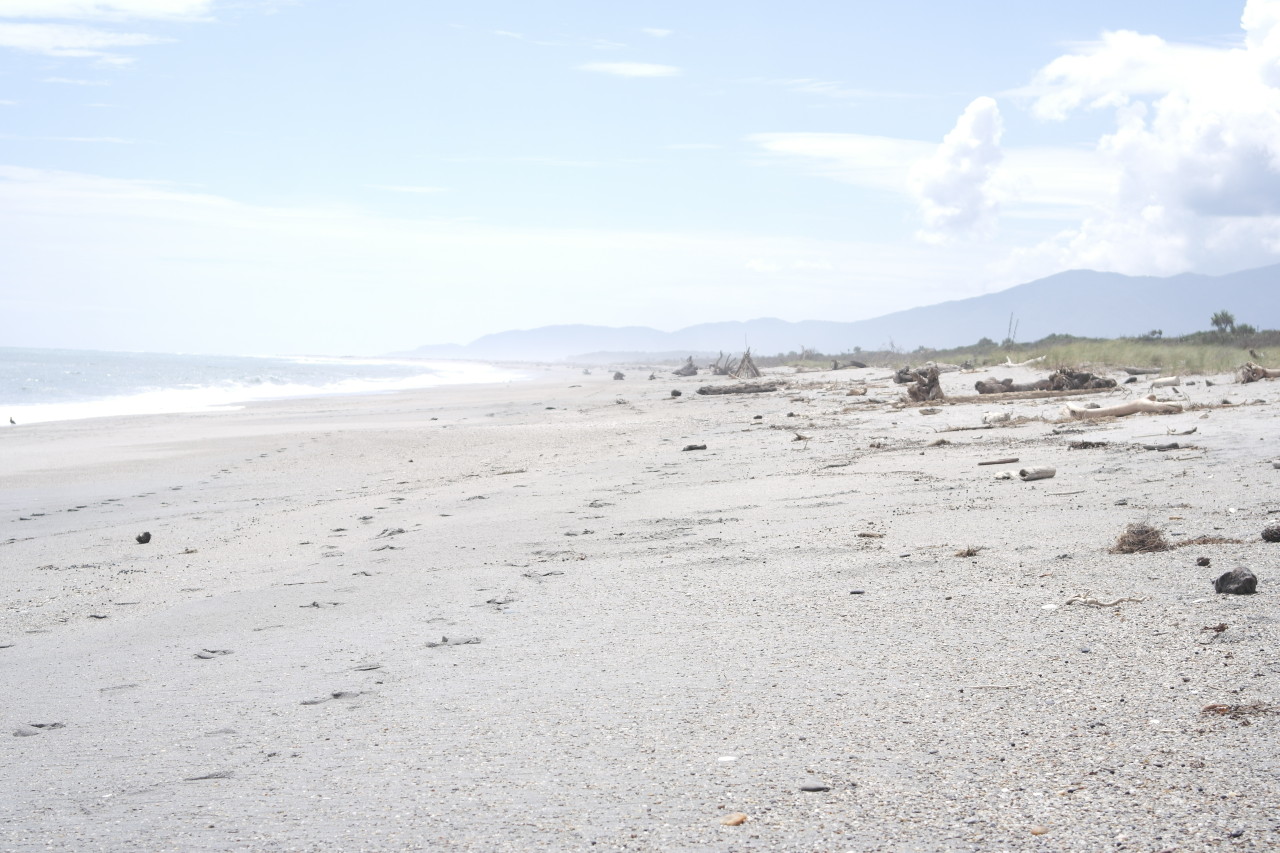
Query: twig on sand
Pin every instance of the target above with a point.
(1087, 598)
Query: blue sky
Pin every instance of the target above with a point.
(322, 176)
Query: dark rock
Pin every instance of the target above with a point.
(1271, 534)
(1238, 581)
(618, 374)
(143, 538)
(695, 447)
(814, 787)
(1202, 561)
(675, 393)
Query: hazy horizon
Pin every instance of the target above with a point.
(299, 176)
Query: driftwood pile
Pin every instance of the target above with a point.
(1251, 372)
(686, 369)
(738, 368)
(1062, 380)
(925, 385)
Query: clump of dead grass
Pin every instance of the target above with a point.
(971, 551)
(1140, 538)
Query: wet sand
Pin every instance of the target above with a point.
(521, 617)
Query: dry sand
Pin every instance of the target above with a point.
(665, 637)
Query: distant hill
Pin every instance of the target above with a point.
(1080, 302)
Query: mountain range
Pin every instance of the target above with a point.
(1078, 302)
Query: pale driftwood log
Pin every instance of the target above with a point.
(1140, 371)
(1167, 382)
(1008, 362)
(1251, 372)
(1146, 405)
(942, 366)
(1042, 472)
(746, 388)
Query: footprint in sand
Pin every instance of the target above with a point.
(31, 729)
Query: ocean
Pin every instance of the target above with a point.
(39, 385)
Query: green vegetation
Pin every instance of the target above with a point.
(1223, 349)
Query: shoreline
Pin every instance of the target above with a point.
(665, 637)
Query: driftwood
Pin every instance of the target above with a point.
(744, 388)
(1146, 405)
(927, 387)
(1167, 382)
(942, 366)
(1061, 380)
(746, 367)
(1042, 472)
(1008, 362)
(1140, 371)
(836, 365)
(1251, 372)
(686, 369)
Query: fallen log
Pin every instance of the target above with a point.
(1167, 382)
(1146, 405)
(1042, 472)
(1008, 362)
(744, 388)
(1140, 371)
(1251, 372)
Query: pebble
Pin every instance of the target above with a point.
(814, 787)
(1039, 830)
(734, 819)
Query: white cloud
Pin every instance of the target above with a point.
(70, 81)
(407, 189)
(691, 146)
(632, 69)
(349, 280)
(954, 185)
(66, 40)
(832, 89)
(1195, 145)
(107, 10)
(656, 32)
(872, 162)
(1033, 183)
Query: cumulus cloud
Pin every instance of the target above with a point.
(1195, 146)
(954, 186)
(631, 69)
(66, 40)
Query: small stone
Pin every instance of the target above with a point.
(1238, 581)
(1039, 830)
(734, 819)
(143, 538)
(675, 393)
(1202, 561)
(814, 787)
(695, 447)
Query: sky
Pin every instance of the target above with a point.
(323, 176)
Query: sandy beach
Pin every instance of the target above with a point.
(522, 617)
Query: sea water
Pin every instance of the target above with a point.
(55, 385)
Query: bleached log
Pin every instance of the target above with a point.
(1146, 405)
(1166, 382)
(1251, 372)
(1008, 362)
(1042, 472)
(1140, 371)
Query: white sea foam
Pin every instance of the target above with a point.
(233, 395)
